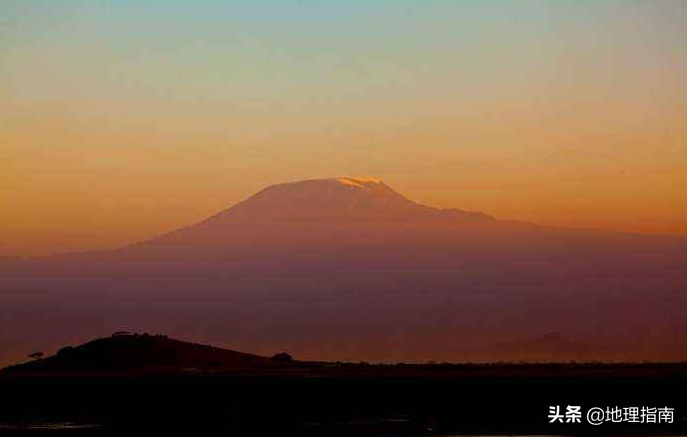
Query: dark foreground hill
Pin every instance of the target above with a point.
(134, 353)
(157, 385)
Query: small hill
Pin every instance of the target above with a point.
(134, 353)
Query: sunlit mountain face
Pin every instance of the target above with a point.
(349, 269)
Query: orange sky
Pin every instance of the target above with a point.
(116, 127)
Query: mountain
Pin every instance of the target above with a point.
(335, 200)
(134, 353)
(349, 269)
(307, 214)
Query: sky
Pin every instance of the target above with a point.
(121, 120)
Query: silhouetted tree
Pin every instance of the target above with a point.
(283, 358)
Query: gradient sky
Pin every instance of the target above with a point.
(121, 120)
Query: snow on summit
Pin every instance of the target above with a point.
(359, 182)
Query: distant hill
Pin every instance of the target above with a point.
(133, 353)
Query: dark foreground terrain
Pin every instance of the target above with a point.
(281, 397)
